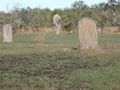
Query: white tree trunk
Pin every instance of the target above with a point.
(57, 22)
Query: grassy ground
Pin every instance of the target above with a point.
(44, 61)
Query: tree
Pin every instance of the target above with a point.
(111, 10)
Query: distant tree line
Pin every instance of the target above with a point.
(105, 14)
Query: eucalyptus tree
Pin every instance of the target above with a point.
(111, 11)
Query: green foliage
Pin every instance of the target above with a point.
(104, 13)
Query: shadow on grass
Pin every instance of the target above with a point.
(54, 65)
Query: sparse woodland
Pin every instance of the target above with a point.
(105, 14)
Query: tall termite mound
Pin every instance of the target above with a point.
(7, 33)
(87, 34)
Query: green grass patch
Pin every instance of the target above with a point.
(44, 61)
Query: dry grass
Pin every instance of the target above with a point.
(111, 30)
